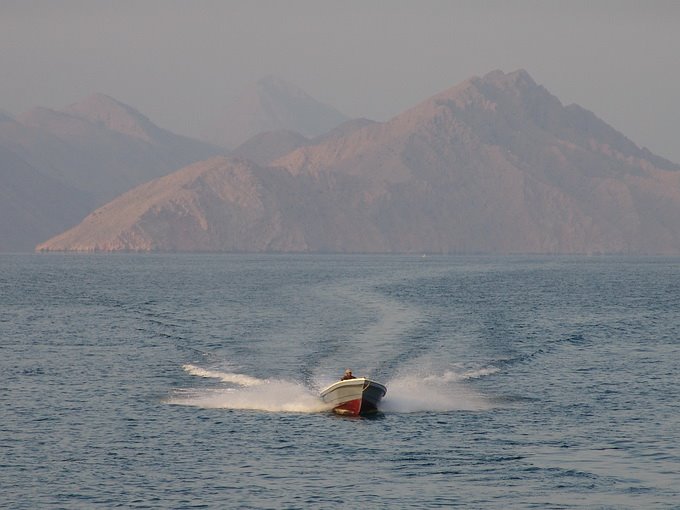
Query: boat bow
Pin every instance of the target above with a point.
(355, 397)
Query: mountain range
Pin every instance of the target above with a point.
(495, 164)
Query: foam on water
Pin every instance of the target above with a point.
(226, 377)
(247, 392)
(454, 376)
(417, 392)
(407, 393)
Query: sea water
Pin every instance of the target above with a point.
(192, 381)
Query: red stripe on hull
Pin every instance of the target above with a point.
(351, 407)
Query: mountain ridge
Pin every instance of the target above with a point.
(99, 145)
(102, 109)
(495, 164)
(31, 204)
(88, 153)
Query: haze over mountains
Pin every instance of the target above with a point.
(494, 165)
(86, 154)
(33, 206)
(271, 104)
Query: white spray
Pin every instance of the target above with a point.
(420, 391)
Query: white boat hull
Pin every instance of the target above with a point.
(354, 397)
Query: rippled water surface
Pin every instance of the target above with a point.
(191, 381)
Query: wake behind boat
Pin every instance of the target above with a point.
(354, 397)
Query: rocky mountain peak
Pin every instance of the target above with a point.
(517, 79)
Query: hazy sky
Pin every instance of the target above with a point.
(181, 61)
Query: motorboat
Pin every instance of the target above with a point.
(354, 397)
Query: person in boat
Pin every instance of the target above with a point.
(348, 375)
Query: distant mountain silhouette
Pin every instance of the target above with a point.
(106, 111)
(101, 146)
(33, 207)
(95, 149)
(494, 165)
(271, 104)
